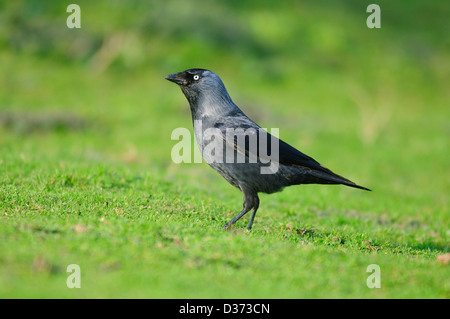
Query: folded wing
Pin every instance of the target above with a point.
(244, 134)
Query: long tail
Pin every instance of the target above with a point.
(326, 178)
(351, 184)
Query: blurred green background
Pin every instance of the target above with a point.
(86, 118)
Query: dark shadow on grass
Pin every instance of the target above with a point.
(325, 238)
(53, 122)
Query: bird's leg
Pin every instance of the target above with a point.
(255, 208)
(250, 201)
(237, 217)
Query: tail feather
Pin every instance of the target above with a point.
(351, 184)
(327, 178)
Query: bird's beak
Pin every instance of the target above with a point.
(178, 78)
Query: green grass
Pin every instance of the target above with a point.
(86, 176)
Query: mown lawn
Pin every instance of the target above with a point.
(86, 176)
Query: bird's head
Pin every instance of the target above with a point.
(191, 77)
(200, 85)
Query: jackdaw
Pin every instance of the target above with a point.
(216, 117)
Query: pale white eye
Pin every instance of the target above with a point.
(196, 77)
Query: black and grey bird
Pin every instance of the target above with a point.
(212, 109)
